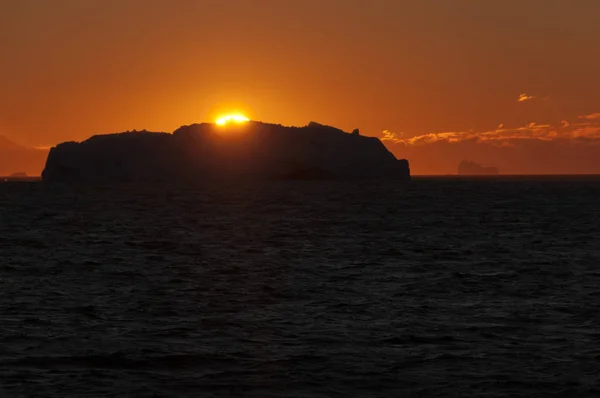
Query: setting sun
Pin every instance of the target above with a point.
(235, 118)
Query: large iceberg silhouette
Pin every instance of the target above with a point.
(252, 150)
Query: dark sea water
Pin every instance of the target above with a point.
(434, 288)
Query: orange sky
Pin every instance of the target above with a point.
(446, 72)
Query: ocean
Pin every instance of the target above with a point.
(440, 287)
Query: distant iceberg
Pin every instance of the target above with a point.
(252, 150)
(471, 168)
(17, 161)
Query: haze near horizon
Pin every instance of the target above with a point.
(506, 83)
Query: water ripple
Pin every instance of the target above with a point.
(433, 288)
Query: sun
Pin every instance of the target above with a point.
(237, 118)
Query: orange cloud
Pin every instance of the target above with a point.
(591, 116)
(387, 135)
(524, 97)
(534, 148)
(504, 136)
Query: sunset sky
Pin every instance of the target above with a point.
(510, 83)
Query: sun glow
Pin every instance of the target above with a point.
(235, 118)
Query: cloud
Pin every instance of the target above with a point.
(524, 97)
(507, 136)
(591, 116)
(387, 135)
(430, 138)
(570, 147)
